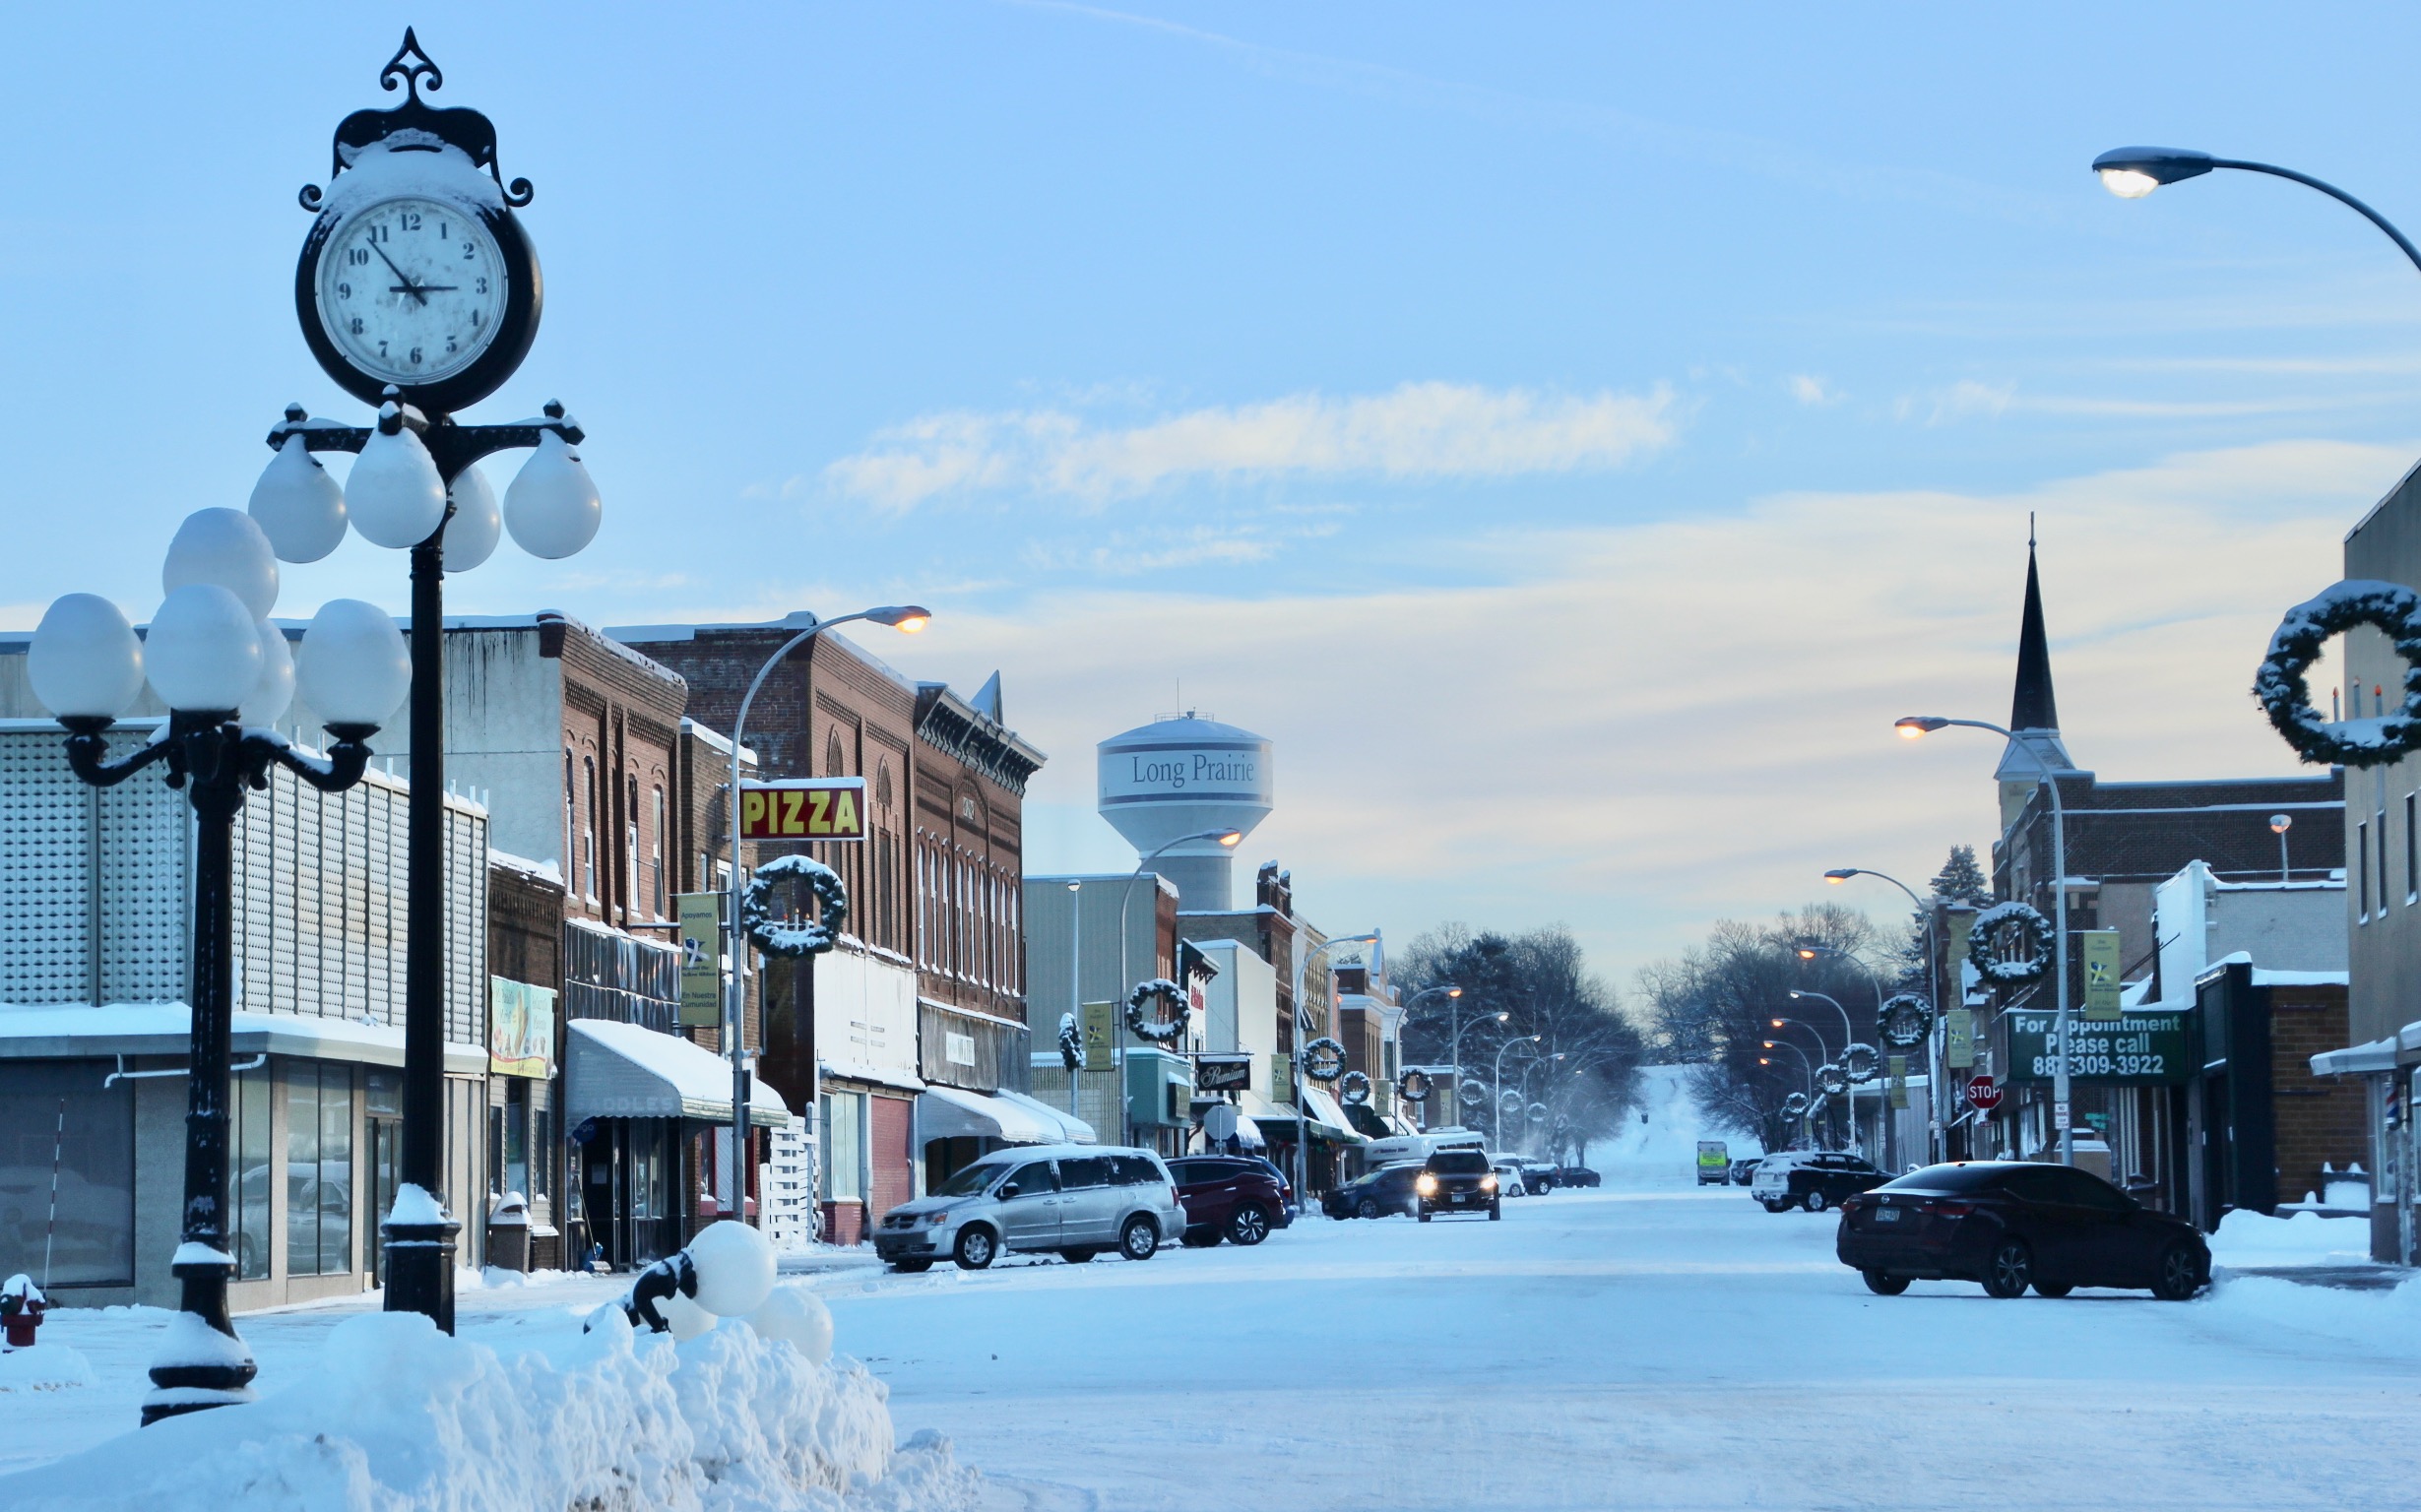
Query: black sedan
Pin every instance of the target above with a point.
(1575, 1175)
(2008, 1225)
(1388, 1189)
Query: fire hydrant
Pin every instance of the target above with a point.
(22, 1305)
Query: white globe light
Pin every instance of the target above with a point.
(552, 509)
(227, 547)
(394, 495)
(298, 504)
(684, 1318)
(353, 668)
(799, 1319)
(203, 653)
(273, 694)
(85, 662)
(735, 1268)
(472, 534)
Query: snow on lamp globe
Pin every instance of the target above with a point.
(552, 508)
(84, 663)
(298, 504)
(204, 650)
(394, 495)
(353, 668)
(226, 547)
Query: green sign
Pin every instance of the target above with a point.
(2136, 1050)
(2101, 974)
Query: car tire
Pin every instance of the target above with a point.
(1495, 1212)
(1771, 1205)
(1077, 1256)
(1367, 1208)
(1247, 1226)
(1884, 1283)
(976, 1247)
(2179, 1276)
(1424, 1213)
(1815, 1201)
(1139, 1239)
(2008, 1270)
(2054, 1293)
(912, 1267)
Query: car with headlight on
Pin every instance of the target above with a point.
(1071, 1200)
(1457, 1181)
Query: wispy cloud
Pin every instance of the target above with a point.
(1419, 431)
(1808, 389)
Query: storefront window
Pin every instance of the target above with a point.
(319, 1169)
(541, 1153)
(516, 1139)
(56, 1116)
(250, 1174)
(843, 1116)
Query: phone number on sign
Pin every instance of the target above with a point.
(2104, 1066)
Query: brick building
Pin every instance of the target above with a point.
(931, 947)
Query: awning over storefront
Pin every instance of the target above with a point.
(946, 1113)
(614, 1070)
(1072, 1129)
(68, 1031)
(1321, 1118)
(1328, 1119)
(2356, 1059)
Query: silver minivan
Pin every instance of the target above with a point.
(1074, 1200)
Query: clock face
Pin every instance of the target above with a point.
(411, 291)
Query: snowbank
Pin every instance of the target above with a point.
(1657, 1142)
(398, 1416)
(44, 1367)
(2387, 1322)
(2247, 1238)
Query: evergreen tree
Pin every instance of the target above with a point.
(1960, 881)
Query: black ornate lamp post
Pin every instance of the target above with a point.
(418, 292)
(206, 661)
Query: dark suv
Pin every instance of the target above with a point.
(1227, 1197)
(1457, 1181)
(1388, 1189)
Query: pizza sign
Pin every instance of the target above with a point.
(819, 808)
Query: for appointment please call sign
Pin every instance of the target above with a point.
(823, 808)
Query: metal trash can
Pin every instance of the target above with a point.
(508, 1233)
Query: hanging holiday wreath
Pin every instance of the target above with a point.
(1538, 1112)
(778, 937)
(2360, 741)
(1355, 1089)
(1151, 1026)
(1832, 1078)
(1071, 1041)
(1906, 1021)
(1323, 1060)
(1414, 1087)
(2009, 970)
(1472, 1094)
(1861, 1062)
(1509, 1102)
(1794, 1104)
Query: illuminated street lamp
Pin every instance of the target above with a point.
(2132, 172)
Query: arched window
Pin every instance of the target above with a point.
(656, 859)
(629, 889)
(588, 827)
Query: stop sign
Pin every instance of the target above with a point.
(1982, 1093)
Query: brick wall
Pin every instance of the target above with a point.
(2319, 1119)
(894, 1171)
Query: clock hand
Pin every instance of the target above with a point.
(423, 288)
(410, 287)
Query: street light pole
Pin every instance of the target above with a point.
(1496, 1080)
(1449, 990)
(1849, 1037)
(1126, 894)
(2132, 172)
(1915, 726)
(1303, 1141)
(1075, 981)
(1934, 1072)
(207, 665)
(1882, 1111)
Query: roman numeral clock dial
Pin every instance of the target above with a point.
(411, 291)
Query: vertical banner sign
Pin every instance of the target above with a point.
(701, 923)
(819, 808)
(1958, 1038)
(1282, 1080)
(2101, 973)
(1898, 1069)
(1100, 1035)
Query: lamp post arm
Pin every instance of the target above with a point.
(2412, 254)
(88, 751)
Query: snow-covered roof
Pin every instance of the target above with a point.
(65, 1030)
(545, 871)
(616, 1070)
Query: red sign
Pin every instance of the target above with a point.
(803, 808)
(1984, 1094)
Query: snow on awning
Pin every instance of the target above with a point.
(2356, 1059)
(1072, 1129)
(1329, 1117)
(614, 1070)
(946, 1113)
(75, 1031)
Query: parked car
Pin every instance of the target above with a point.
(1227, 1197)
(1074, 1200)
(1292, 1205)
(1388, 1189)
(1457, 1181)
(1541, 1177)
(1575, 1175)
(1743, 1168)
(1814, 1179)
(2010, 1225)
(1509, 1178)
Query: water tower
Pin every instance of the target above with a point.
(1183, 774)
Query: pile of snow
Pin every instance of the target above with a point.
(2248, 1238)
(44, 1367)
(2386, 1321)
(1657, 1142)
(398, 1416)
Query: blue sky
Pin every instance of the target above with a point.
(1570, 433)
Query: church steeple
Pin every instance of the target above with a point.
(2034, 715)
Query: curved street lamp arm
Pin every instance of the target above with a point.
(2411, 253)
(88, 751)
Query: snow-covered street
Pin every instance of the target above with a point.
(1656, 1347)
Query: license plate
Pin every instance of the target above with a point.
(1887, 1214)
